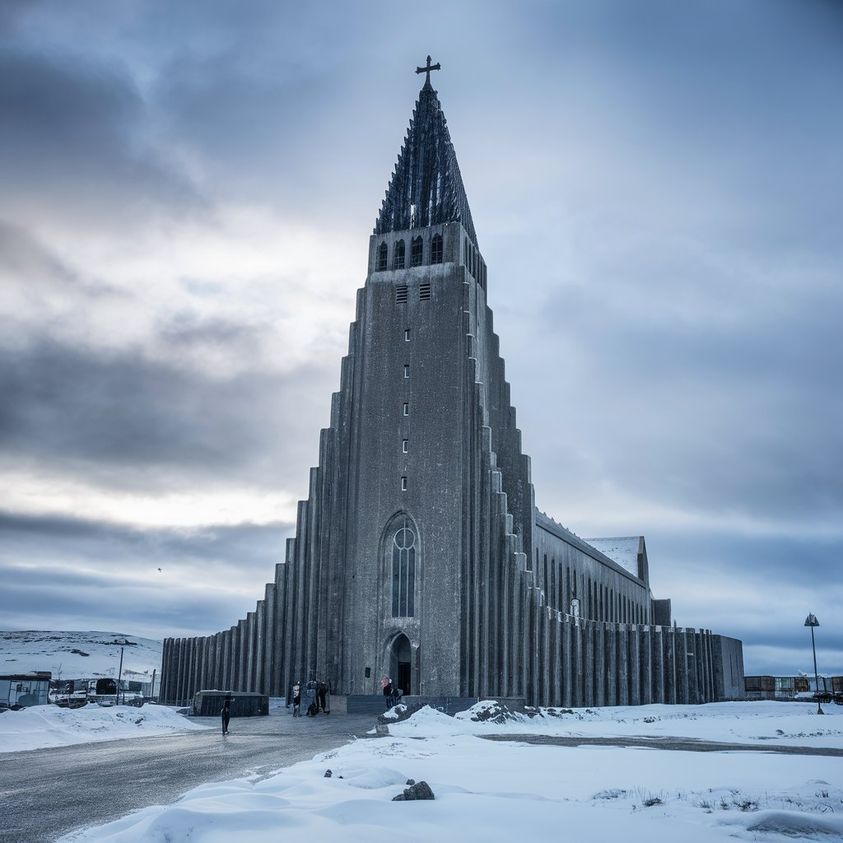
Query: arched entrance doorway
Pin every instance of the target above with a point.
(401, 663)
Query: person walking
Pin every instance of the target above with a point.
(225, 714)
(297, 699)
(386, 684)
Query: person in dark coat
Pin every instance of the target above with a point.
(322, 695)
(297, 699)
(225, 714)
(386, 684)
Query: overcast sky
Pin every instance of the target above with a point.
(187, 195)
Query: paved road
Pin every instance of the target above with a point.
(681, 744)
(45, 793)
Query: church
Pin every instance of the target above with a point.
(419, 552)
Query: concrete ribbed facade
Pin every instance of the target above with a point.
(419, 551)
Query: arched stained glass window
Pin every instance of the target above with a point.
(403, 546)
(382, 257)
(398, 256)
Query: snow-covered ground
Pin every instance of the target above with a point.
(500, 791)
(48, 725)
(79, 655)
(762, 722)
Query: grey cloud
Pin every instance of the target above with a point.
(132, 422)
(32, 267)
(76, 136)
(67, 566)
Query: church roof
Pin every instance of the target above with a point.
(426, 186)
(622, 549)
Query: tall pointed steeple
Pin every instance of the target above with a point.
(426, 186)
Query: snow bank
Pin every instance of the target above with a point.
(499, 791)
(48, 725)
(763, 723)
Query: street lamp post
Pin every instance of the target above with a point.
(812, 621)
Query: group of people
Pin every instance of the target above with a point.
(317, 696)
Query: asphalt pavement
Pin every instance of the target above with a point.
(45, 793)
(668, 743)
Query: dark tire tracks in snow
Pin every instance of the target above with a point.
(668, 743)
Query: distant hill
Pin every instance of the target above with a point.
(79, 655)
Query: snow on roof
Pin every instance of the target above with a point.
(623, 550)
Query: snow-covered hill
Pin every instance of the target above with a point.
(79, 655)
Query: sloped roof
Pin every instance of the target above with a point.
(426, 186)
(623, 550)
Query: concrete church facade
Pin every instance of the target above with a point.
(419, 552)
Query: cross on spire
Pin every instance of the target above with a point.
(427, 68)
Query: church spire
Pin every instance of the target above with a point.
(426, 186)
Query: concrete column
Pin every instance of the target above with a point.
(658, 665)
(190, 661)
(290, 622)
(611, 664)
(623, 664)
(182, 672)
(246, 644)
(280, 686)
(199, 664)
(669, 666)
(545, 654)
(600, 663)
(682, 684)
(269, 640)
(225, 660)
(185, 671)
(523, 664)
(567, 670)
(165, 670)
(237, 657)
(218, 643)
(635, 665)
(260, 627)
(693, 667)
(646, 662)
(577, 666)
(248, 651)
(506, 623)
(711, 695)
(556, 649)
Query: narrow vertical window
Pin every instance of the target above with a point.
(406, 334)
(406, 371)
(382, 257)
(406, 409)
(404, 446)
(416, 251)
(398, 255)
(436, 249)
(403, 571)
(403, 484)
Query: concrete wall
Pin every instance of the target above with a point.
(727, 656)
